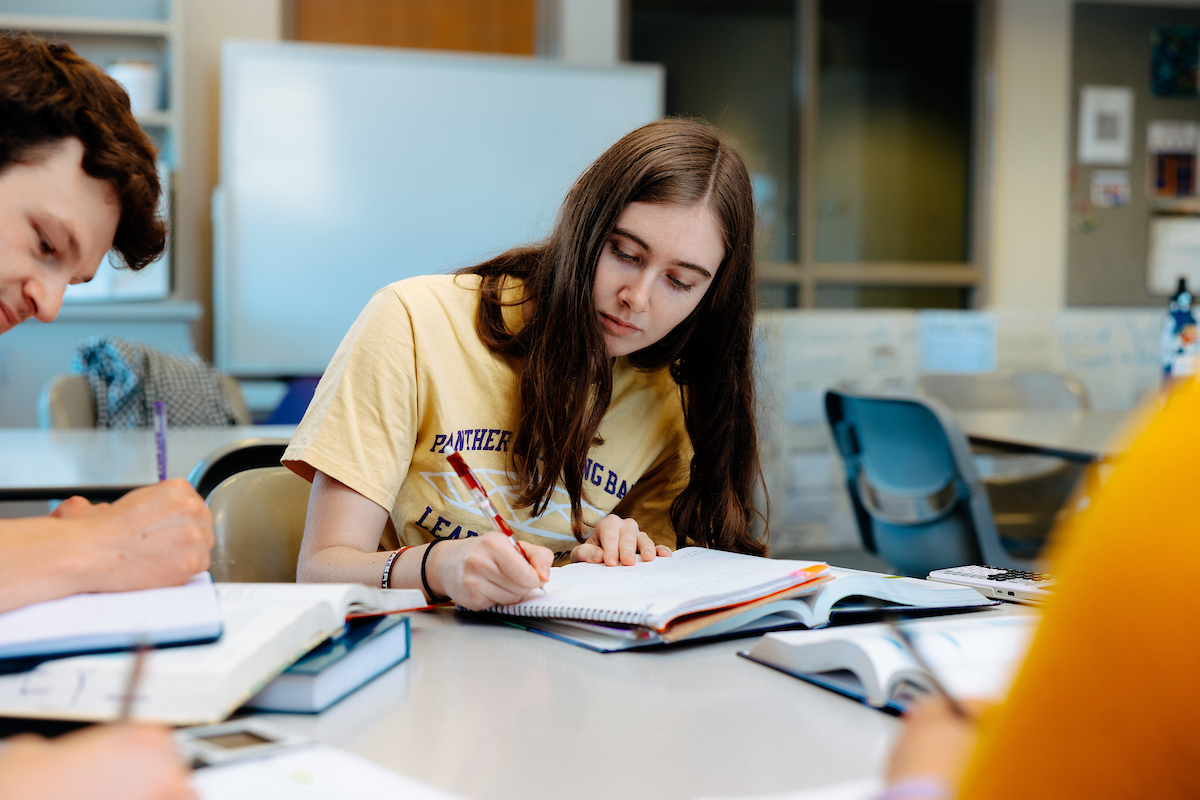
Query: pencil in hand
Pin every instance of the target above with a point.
(479, 496)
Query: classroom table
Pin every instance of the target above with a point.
(103, 464)
(484, 710)
(1082, 436)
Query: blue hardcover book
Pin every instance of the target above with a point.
(336, 667)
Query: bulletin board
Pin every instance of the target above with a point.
(1108, 247)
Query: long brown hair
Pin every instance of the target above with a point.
(565, 371)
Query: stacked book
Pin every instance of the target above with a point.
(70, 659)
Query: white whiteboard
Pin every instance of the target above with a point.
(346, 168)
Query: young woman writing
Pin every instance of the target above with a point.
(601, 379)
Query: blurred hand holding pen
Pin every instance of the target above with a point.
(894, 623)
(129, 698)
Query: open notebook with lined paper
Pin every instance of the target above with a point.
(107, 622)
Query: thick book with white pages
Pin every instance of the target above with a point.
(109, 622)
(267, 626)
(337, 666)
(840, 594)
(974, 656)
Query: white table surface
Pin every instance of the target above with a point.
(1075, 435)
(34, 462)
(488, 711)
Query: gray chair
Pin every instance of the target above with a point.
(66, 402)
(258, 520)
(1030, 390)
(912, 481)
(1027, 492)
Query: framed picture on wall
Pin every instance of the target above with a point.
(1105, 125)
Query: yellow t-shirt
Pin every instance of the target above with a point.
(412, 382)
(1105, 704)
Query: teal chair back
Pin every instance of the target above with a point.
(916, 495)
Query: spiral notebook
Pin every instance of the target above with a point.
(656, 594)
(109, 622)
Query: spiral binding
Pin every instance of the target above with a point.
(573, 612)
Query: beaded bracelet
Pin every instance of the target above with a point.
(387, 566)
(433, 598)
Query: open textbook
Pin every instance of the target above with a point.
(107, 622)
(267, 626)
(699, 593)
(974, 657)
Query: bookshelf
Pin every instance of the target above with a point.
(95, 26)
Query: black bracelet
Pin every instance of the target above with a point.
(433, 598)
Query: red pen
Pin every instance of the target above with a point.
(481, 499)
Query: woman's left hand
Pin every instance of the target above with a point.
(618, 541)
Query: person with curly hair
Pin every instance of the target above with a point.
(78, 179)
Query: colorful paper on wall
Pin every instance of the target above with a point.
(1171, 150)
(1110, 188)
(1174, 53)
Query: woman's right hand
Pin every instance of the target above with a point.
(935, 745)
(478, 573)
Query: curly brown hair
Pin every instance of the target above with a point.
(49, 93)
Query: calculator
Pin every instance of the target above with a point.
(1014, 585)
(238, 740)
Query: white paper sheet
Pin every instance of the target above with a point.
(861, 789)
(310, 773)
(1174, 254)
(1171, 136)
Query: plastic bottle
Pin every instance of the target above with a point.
(1181, 349)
